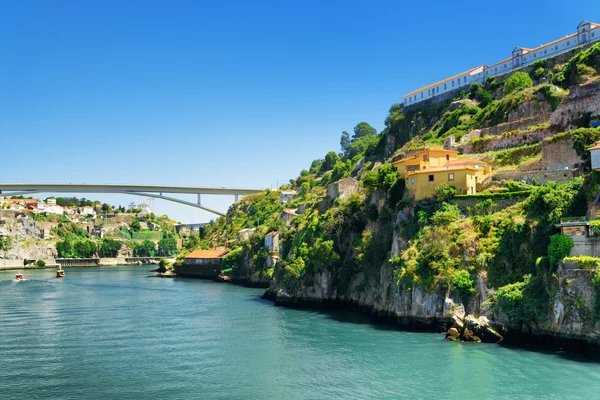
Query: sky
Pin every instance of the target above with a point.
(228, 93)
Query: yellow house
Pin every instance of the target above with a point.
(424, 159)
(483, 169)
(421, 184)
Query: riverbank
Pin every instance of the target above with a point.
(513, 336)
(7, 265)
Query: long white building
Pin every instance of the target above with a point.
(587, 32)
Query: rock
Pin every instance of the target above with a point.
(469, 336)
(455, 105)
(453, 334)
(481, 327)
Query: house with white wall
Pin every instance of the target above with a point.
(587, 32)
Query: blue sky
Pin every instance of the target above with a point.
(228, 93)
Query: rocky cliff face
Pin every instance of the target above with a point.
(583, 99)
(23, 238)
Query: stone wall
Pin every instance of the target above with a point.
(515, 125)
(559, 154)
(543, 177)
(581, 99)
(583, 246)
(506, 141)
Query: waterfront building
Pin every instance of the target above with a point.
(202, 263)
(586, 33)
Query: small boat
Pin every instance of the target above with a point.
(60, 273)
(19, 277)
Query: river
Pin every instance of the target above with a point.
(106, 333)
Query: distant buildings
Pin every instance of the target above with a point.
(286, 196)
(595, 155)
(146, 210)
(342, 188)
(587, 32)
(272, 241)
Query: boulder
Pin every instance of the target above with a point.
(480, 326)
(453, 335)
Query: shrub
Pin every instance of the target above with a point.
(445, 192)
(463, 284)
(477, 92)
(517, 81)
(524, 301)
(560, 246)
(41, 263)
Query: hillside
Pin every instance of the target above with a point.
(483, 263)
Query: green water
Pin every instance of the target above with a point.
(112, 333)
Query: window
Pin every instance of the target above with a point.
(428, 92)
(465, 79)
(567, 42)
(425, 157)
(545, 51)
(593, 34)
(452, 83)
(438, 89)
(412, 180)
(444, 86)
(556, 47)
(476, 166)
(451, 176)
(430, 178)
(421, 94)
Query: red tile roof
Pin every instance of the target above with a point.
(446, 168)
(207, 254)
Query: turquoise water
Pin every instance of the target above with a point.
(113, 333)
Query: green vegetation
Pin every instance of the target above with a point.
(144, 249)
(41, 263)
(517, 81)
(109, 248)
(378, 235)
(559, 247)
(579, 68)
(146, 235)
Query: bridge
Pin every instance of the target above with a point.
(19, 189)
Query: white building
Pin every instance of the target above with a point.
(87, 210)
(595, 155)
(587, 32)
(145, 209)
(286, 196)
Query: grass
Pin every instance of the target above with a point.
(150, 235)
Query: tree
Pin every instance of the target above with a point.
(477, 92)
(345, 141)
(330, 159)
(315, 166)
(144, 249)
(363, 129)
(135, 225)
(167, 246)
(109, 248)
(64, 248)
(518, 81)
(362, 145)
